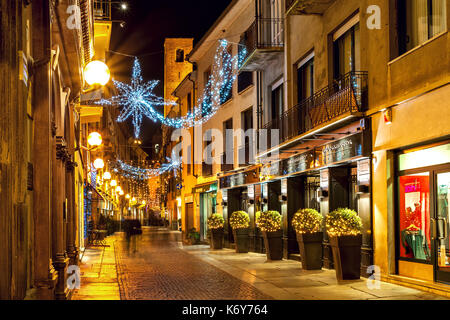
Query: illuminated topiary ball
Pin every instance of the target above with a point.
(269, 221)
(343, 222)
(216, 221)
(239, 220)
(307, 221)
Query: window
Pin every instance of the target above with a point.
(418, 170)
(189, 102)
(179, 55)
(246, 152)
(420, 20)
(228, 142)
(245, 80)
(305, 78)
(346, 49)
(277, 100)
(414, 216)
(206, 105)
(277, 24)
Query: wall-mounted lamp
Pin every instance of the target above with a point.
(321, 193)
(387, 116)
(282, 198)
(361, 189)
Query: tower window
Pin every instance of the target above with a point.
(180, 55)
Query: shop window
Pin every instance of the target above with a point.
(414, 216)
(420, 20)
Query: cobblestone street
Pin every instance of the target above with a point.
(156, 266)
(152, 266)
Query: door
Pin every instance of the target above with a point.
(440, 226)
(203, 216)
(189, 217)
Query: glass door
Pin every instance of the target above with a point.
(440, 226)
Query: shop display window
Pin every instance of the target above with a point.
(414, 208)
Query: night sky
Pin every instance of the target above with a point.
(148, 23)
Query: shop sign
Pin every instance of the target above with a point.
(207, 188)
(324, 176)
(340, 150)
(363, 167)
(284, 186)
(298, 163)
(271, 170)
(239, 179)
(189, 198)
(251, 191)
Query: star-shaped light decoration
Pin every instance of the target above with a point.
(137, 99)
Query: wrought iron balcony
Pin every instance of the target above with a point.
(307, 7)
(102, 10)
(264, 41)
(346, 96)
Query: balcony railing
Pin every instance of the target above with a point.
(347, 94)
(307, 6)
(206, 169)
(264, 34)
(102, 10)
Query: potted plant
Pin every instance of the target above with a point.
(308, 227)
(344, 230)
(193, 236)
(239, 222)
(269, 222)
(215, 224)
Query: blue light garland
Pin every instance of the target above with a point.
(137, 173)
(138, 100)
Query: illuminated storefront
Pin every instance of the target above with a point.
(423, 185)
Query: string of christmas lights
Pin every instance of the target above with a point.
(137, 99)
(138, 173)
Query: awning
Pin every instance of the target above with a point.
(91, 187)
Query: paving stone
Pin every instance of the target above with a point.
(159, 270)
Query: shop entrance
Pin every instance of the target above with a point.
(424, 213)
(440, 225)
(207, 208)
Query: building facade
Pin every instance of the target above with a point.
(349, 110)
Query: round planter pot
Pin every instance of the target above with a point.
(310, 245)
(347, 256)
(241, 240)
(217, 238)
(274, 244)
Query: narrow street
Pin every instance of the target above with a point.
(153, 267)
(156, 266)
